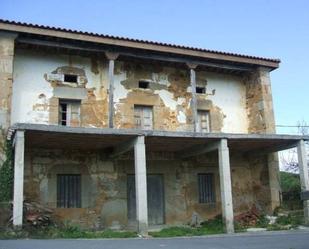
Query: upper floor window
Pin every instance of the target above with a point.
(203, 121)
(143, 117)
(143, 84)
(206, 188)
(200, 89)
(69, 113)
(70, 78)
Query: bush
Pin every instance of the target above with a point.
(290, 185)
(6, 174)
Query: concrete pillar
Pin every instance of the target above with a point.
(274, 181)
(111, 65)
(194, 99)
(303, 173)
(226, 186)
(7, 44)
(141, 185)
(18, 178)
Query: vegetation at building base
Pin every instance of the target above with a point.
(214, 226)
(284, 221)
(290, 186)
(6, 174)
(66, 232)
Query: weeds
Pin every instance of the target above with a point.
(67, 232)
(214, 226)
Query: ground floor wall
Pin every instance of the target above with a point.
(104, 193)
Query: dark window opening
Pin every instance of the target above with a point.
(206, 188)
(69, 191)
(69, 112)
(63, 114)
(200, 89)
(143, 84)
(70, 78)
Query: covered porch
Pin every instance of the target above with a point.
(115, 143)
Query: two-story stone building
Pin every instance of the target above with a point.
(117, 132)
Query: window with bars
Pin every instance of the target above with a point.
(69, 113)
(143, 117)
(69, 191)
(206, 188)
(203, 121)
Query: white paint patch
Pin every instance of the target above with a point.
(230, 97)
(160, 78)
(181, 117)
(181, 101)
(120, 92)
(167, 98)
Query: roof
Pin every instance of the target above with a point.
(136, 43)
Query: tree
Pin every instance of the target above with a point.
(289, 159)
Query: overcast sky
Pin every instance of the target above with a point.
(276, 29)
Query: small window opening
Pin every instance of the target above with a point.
(200, 89)
(143, 84)
(70, 78)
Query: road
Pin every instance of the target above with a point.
(265, 240)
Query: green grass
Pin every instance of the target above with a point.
(209, 227)
(64, 232)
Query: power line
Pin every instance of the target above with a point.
(295, 126)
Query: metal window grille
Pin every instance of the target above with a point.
(206, 188)
(68, 191)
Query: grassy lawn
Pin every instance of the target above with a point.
(209, 227)
(64, 233)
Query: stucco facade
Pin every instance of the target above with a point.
(110, 87)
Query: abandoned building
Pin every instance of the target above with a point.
(113, 132)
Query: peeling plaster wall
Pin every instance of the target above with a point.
(104, 185)
(37, 87)
(170, 95)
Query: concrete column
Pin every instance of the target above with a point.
(18, 178)
(303, 173)
(226, 186)
(141, 185)
(111, 65)
(194, 99)
(274, 182)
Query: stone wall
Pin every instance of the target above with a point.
(261, 120)
(259, 102)
(104, 185)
